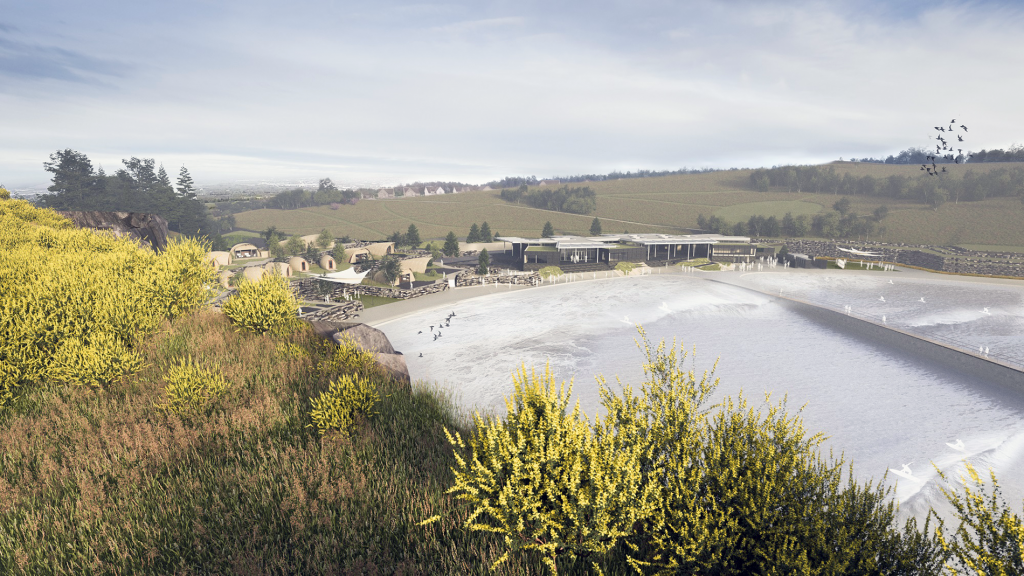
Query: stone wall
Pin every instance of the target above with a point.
(343, 311)
(515, 279)
(306, 289)
(949, 259)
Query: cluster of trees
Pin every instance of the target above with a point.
(296, 246)
(326, 193)
(516, 181)
(918, 156)
(140, 186)
(973, 185)
(480, 233)
(840, 222)
(411, 238)
(575, 200)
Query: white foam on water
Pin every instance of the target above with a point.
(879, 407)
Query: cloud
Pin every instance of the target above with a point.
(18, 59)
(486, 89)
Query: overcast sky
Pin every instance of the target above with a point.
(386, 92)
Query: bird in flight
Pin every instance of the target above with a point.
(953, 121)
(964, 127)
(960, 138)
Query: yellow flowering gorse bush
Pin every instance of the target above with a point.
(76, 302)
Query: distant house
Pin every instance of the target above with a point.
(412, 192)
(298, 264)
(254, 273)
(455, 190)
(218, 259)
(281, 268)
(385, 193)
(548, 182)
(487, 188)
(439, 190)
(244, 250)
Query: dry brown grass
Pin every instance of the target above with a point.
(102, 482)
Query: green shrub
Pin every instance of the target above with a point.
(190, 388)
(335, 408)
(264, 306)
(989, 538)
(625, 267)
(349, 358)
(549, 271)
(544, 481)
(673, 486)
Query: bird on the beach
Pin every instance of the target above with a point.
(421, 354)
(890, 281)
(883, 318)
(626, 320)
(958, 446)
(882, 298)
(431, 327)
(985, 311)
(922, 299)
(943, 168)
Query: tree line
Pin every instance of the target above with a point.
(137, 187)
(574, 200)
(516, 181)
(840, 222)
(912, 155)
(931, 190)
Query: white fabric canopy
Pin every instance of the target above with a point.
(348, 276)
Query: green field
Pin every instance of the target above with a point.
(664, 204)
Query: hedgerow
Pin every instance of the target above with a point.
(76, 302)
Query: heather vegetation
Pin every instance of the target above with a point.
(260, 447)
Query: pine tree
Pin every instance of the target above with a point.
(595, 227)
(483, 262)
(451, 245)
(485, 233)
(549, 230)
(162, 177)
(412, 236)
(474, 234)
(185, 186)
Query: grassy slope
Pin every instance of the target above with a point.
(102, 482)
(663, 204)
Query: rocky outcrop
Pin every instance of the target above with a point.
(148, 229)
(371, 340)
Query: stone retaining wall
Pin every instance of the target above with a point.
(343, 311)
(515, 279)
(954, 260)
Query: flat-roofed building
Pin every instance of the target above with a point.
(570, 252)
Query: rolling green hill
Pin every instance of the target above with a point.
(665, 204)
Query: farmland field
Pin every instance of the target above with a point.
(664, 204)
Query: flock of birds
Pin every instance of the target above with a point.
(446, 323)
(945, 148)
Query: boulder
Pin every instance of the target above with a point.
(371, 340)
(148, 229)
(368, 338)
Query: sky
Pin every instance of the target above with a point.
(386, 92)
